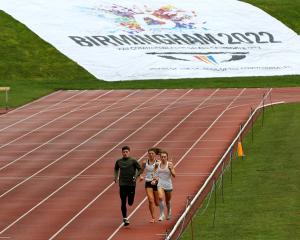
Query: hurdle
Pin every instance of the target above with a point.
(6, 90)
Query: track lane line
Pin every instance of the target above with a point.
(5, 193)
(110, 185)
(207, 180)
(202, 135)
(30, 103)
(44, 110)
(66, 131)
(53, 120)
(45, 199)
(96, 161)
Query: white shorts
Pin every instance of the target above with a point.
(167, 186)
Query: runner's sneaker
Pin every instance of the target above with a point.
(125, 221)
(169, 214)
(162, 217)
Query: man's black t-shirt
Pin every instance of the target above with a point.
(129, 169)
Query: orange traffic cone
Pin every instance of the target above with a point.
(240, 149)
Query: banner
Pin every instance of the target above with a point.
(160, 39)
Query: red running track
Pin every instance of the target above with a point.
(57, 156)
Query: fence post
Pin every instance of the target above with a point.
(231, 151)
(263, 110)
(215, 190)
(270, 97)
(192, 228)
(6, 90)
(189, 200)
(251, 112)
(222, 179)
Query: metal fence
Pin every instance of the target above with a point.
(210, 185)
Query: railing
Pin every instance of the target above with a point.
(193, 203)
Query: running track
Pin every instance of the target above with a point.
(57, 156)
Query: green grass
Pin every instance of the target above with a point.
(286, 11)
(263, 201)
(34, 68)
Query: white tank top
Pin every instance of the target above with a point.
(164, 177)
(149, 169)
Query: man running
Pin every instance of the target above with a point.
(126, 171)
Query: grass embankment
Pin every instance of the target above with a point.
(34, 68)
(286, 11)
(263, 201)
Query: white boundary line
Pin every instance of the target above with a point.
(5, 193)
(30, 103)
(92, 176)
(62, 133)
(135, 109)
(45, 199)
(93, 107)
(213, 172)
(109, 186)
(44, 110)
(62, 91)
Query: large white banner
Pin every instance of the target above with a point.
(163, 39)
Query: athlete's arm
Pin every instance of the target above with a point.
(172, 169)
(116, 172)
(138, 169)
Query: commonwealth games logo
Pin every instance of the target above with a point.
(166, 24)
(136, 19)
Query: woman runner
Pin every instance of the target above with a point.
(165, 171)
(148, 167)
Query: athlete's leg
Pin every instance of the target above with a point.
(123, 196)
(161, 196)
(168, 203)
(131, 193)
(151, 204)
(155, 194)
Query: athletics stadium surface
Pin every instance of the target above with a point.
(57, 156)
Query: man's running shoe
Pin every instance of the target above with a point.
(125, 221)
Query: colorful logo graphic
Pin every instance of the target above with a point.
(139, 19)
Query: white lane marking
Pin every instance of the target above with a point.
(188, 206)
(44, 110)
(59, 135)
(45, 199)
(108, 187)
(53, 120)
(141, 127)
(93, 176)
(3, 194)
(28, 104)
(202, 135)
